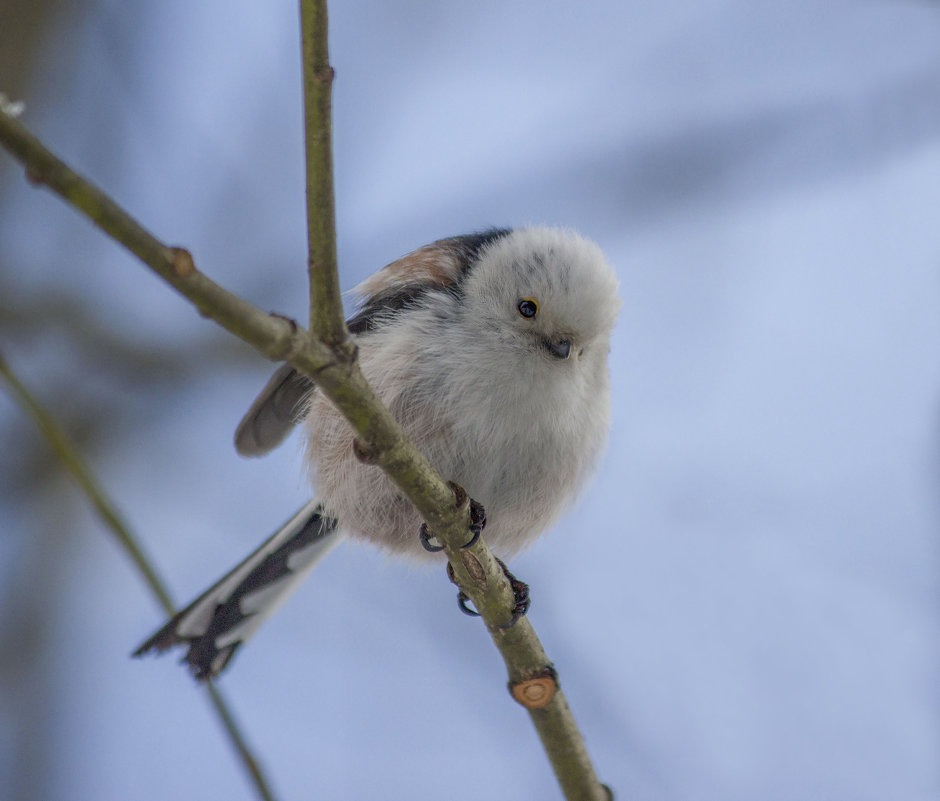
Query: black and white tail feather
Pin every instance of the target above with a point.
(229, 612)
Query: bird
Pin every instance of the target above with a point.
(491, 350)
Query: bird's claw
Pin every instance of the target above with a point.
(477, 521)
(462, 599)
(520, 591)
(425, 536)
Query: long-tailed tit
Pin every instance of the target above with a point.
(491, 351)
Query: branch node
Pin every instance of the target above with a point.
(472, 565)
(294, 344)
(346, 352)
(365, 452)
(289, 320)
(474, 568)
(536, 691)
(33, 176)
(461, 499)
(183, 264)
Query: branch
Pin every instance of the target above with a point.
(379, 437)
(72, 461)
(326, 310)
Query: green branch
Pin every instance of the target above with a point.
(68, 455)
(326, 310)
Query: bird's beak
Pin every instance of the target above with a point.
(559, 348)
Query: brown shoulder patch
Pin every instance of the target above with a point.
(431, 265)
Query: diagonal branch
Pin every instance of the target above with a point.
(333, 367)
(72, 461)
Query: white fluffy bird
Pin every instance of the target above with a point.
(491, 351)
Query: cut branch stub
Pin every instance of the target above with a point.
(536, 691)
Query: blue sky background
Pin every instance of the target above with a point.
(744, 605)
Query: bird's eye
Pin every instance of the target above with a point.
(528, 307)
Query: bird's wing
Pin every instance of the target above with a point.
(274, 413)
(398, 286)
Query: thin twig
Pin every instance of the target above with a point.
(71, 460)
(326, 310)
(334, 369)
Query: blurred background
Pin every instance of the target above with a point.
(743, 606)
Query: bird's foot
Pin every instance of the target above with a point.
(477, 520)
(520, 591)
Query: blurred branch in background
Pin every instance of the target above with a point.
(123, 378)
(20, 42)
(45, 310)
(71, 460)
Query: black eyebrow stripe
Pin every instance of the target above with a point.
(464, 248)
(467, 248)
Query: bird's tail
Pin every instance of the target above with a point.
(230, 611)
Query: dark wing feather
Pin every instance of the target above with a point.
(276, 410)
